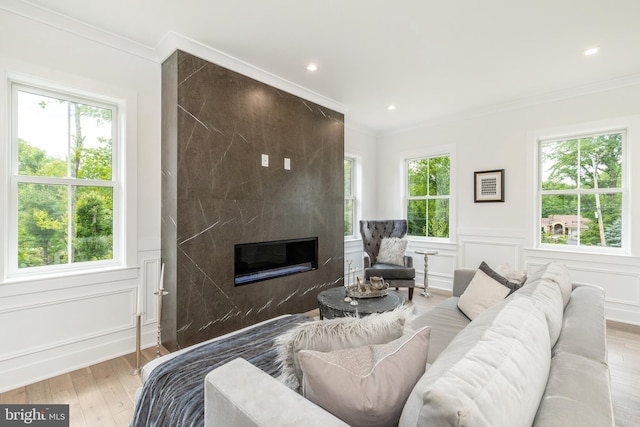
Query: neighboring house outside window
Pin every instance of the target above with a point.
(64, 182)
(349, 197)
(581, 190)
(428, 196)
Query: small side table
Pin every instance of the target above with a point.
(426, 293)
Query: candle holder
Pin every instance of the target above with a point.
(160, 293)
(347, 283)
(136, 371)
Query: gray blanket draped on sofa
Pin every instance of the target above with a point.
(173, 395)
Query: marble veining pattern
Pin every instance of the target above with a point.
(216, 125)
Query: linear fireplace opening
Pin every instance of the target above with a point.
(259, 261)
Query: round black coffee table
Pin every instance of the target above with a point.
(331, 303)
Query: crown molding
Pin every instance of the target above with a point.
(173, 41)
(78, 28)
(524, 102)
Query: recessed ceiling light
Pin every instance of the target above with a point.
(312, 67)
(591, 51)
(391, 107)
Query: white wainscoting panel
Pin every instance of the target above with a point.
(149, 285)
(77, 322)
(619, 276)
(353, 252)
(441, 266)
(149, 281)
(58, 322)
(494, 246)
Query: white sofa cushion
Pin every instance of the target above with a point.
(556, 272)
(559, 273)
(493, 373)
(546, 295)
(366, 385)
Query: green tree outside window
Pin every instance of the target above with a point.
(64, 180)
(581, 190)
(349, 199)
(428, 189)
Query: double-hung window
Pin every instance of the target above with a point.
(581, 190)
(428, 196)
(349, 197)
(64, 201)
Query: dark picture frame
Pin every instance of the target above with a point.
(488, 186)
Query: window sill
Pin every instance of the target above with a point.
(552, 254)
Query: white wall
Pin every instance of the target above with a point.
(54, 325)
(503, 232)
(360, 144)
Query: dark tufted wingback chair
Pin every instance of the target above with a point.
(372, 234)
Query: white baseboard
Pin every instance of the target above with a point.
(42, 365)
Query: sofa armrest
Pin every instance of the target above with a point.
(461, 279)
(241, 395)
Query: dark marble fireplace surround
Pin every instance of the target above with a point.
(216, 124)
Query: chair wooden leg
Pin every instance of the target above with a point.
(410, 294)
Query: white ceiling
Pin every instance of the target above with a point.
(430, 58)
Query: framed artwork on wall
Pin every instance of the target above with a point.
(488, 186)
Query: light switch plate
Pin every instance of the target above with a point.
(265, 160)
(287, 163)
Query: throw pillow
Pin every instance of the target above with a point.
(483, 292)
(335, 334)
(517, 276)
(513, 286)
(392, 251)
(366, 385)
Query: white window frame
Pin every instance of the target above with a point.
(427, 197)
(353, 197)
(12, 272)
(624, 190)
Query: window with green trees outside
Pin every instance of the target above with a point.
(349, 197)
(581, 190)
(428, 196)
(64, 183)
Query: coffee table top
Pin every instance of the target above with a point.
(332, 304)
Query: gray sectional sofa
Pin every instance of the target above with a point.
(538, 357)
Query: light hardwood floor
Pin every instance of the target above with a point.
(103, 394)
